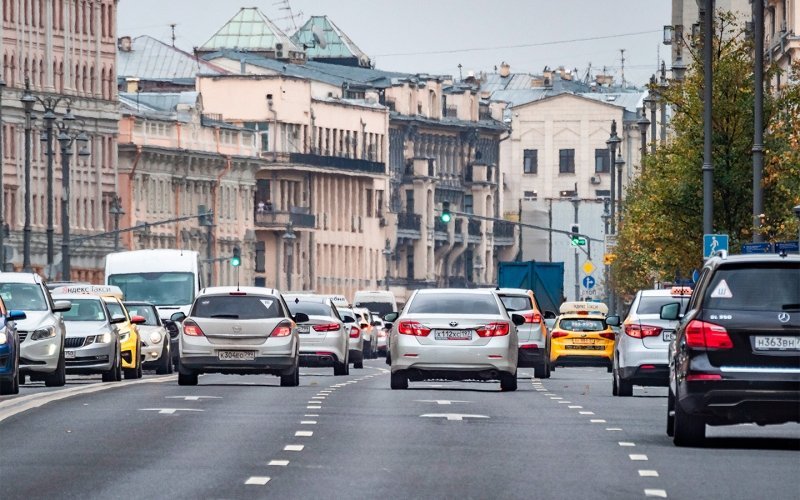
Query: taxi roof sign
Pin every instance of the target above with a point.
(681, 290)
(583, 308)
(102, 290)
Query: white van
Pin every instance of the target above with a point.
(379, 302)
(169, 279)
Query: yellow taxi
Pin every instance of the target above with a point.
(580, 336)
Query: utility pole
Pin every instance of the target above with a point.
(116, 212)
(707, 16)
(758, 112)
(576, 202)
(27, 103)
(2, 187)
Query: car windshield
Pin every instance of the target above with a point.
(310, 308)
(115, 309)
(161, 289)
(516, 302)
(759, 288)
(148, 312)
(237, 307)
(582, 325)
(85, 310)
(379, 308)
(23, 296)
(453, 303)
(652, 304)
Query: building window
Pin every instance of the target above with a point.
(566, 161)
(468, 205)
(601, 161)
(602, 193)
(529, 195)
(530, 161)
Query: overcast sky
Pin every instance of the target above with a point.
(434, 36)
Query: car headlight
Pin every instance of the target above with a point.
(124, 336)
(103, 338)
(155, 338)
(44, 333)
(3, 338)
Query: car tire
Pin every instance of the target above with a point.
(111, 374)
(367, 349)
(670, 413)
(292, 379)
(624, 387)
(11, 386)
(688, 429)
(340, 368)
(164, 366)
(59, 377)
(399, 380)
(508, 381)
(540, 370)
(609, 367)
(186, 377)
(358, 362)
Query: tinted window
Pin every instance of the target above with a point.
(516, 302)
(310, 308)
(23, 296)
(237, 307)
(765, 287)
(149, 313)
(582, 325)
(85, 310)
(453, 303)
(652, 305)
(379, 308)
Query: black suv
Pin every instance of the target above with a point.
(736, 354)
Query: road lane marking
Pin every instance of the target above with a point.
(279, 463)
(308, 422)
(192, 398)
(258, 480)
(313, 407)
(597, 421)
(555, 398)
(648, 473)
(638, 458)
(586, 412)
(549, 394)
(168, 411)
(440, 401)
(655, 493)
(626, 443)
(452, 416)
(575, 407)
(304, 433)
(613, 429)
(317, 397)
(565, 402)
(293, 447)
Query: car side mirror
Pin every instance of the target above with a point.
(671, 311)
(117, 319)
(62, 306)
(549, 315)
(612, 321)
(15, 315)
(300, 318)
(390, 317)
(518, 319)
(387, 326)
(348, 319)
(138, 320)
(177, 317)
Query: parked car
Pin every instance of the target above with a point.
(534, 344)
(93, 342)
(640, 351)
(454, 334)
(324, 336)
(156, 345)
(239, 330)
(42, 332)
(9, 350)
(736, 354)
(580, 336)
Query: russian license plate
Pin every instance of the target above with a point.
(452, 334)
(585, 347)
(237, 355)
(302, 329)
(774, 343)
(69, 354)
(668, 335)
(583, 341)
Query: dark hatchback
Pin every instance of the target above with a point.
(736, 354)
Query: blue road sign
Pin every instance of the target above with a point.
(764, 247)
(588, 282)
(713, 243)
(787, 246)
(695, 275)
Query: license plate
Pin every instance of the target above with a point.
(583, 341)
(668, 335)
(773, 343)
(69, 354)
(585, 347)
(302, 329)
(452, 334)
(237, 355)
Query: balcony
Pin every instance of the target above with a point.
(339, 163)
(503, 233)
(474, 228)
(407, 221)
(279, 220)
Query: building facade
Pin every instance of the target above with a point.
(781, 39)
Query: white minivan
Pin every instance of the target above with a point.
(378, 302)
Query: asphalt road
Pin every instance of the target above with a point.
(353, 437)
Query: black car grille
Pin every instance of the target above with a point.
(22, 336)
(73, 342)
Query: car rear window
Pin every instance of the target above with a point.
(517, 302)
(582, 325)
(453, 303)
(380, 308)
(652, 304)
(760, 288)
(237, 307)
(310, 308)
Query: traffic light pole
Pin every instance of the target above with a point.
(78, 241)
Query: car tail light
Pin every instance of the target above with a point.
(642, 331)
(282, 330)
(529, 346)
(354, 332)
(607, 335)
(532, 317)
(498, 329)
(648, 367)
(694, 377)
(326, 327)
(414, 328)
(558, 335)
(238, 293)
(703, 335)
(191, 329)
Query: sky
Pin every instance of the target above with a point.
(435, 36)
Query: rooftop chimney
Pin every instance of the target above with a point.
(505, 69)
(124, 43)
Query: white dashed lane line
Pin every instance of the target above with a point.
(655, 493)
(638, 458)
(293, 447)
(308, 422)
(597, 421)
(614, 429)
(304, 433)
(626, 443)
(257, 480)
(648, 473)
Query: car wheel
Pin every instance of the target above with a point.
(688, 429)
(59, 377)
(165, 361)
(508, 381)
(608, 368)
(670, 413)
(540, 370)
(292, 379)
(139, 363)
(111, 374)
(340, 368)
(399, 380)
(185, 378)
(11, 386)
(624, 387)
(614, 386)
(118, 368)
(358, 362)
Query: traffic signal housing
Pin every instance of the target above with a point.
(236, 258)
(446, 216)
(575, 235)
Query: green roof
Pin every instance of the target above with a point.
(250, 31)
(337, 44)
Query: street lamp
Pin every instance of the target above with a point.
(66, 137)
(643, 123)
(116, 212)
(619, 162)
(387, 254)
(653, 101)
(2, 187)
(288, 238)
(662, 84)
(27, 105)
(612, 143)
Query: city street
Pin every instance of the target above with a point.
(335, 437)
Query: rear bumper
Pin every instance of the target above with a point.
(262, 364)
(530, 357)
(737, 401)
(319, 359)
(656, 376)
(497, 355)
(581, 360)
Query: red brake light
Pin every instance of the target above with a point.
(282, 330)
(191, 329)
(326, 327)
(529, 346)
(703, 335)
(532, 317)
(641, 331)
(498, 329)
(558, 335)
(607, 335)
(691, 377)
(354, 332)
(238, 293)
(413, 328)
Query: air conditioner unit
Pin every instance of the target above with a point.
(596, 179)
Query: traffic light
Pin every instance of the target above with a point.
(445, 217)
(574, 235)
(236, 259)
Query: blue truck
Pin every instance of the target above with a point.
(546, 279)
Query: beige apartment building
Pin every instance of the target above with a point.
(65, 50)
(781, 39)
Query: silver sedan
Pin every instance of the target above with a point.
(454, 334)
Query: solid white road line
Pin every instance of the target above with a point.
(293, 447)
(440, 401)
(626, 443)
(655, 493)
(258, 480)
(648, 473)
(192, 398)
(638, 458)
(279, 463)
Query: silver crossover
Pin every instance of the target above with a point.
(324, 338)
(156, 346)
(454, 334)
(92, 342)
(239, 330)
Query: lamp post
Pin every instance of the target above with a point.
(612, 143)
(27, 105)
(643, 123)
(758, 117)
(619, 162)
(288, 238)
(606, 216)
(707, 16)
(387, 254)
(653, 103)
(66, 137)
(662, 83)
(116, 212)
(2, 186)
(207, 221)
